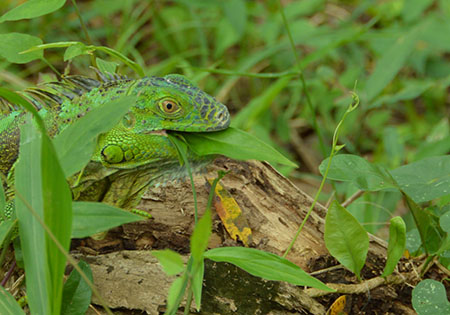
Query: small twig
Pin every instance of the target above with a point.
(363, 286)
(442, 268)
(352, 198)
(330, 199)
(332, 268)
(8, 274)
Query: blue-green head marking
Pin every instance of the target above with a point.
(174, 103)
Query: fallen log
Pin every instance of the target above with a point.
(128, 276)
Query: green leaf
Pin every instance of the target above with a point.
(57, 199)
(236, 14)
(15, 98)
(396, 246)
(424, 223)
(413, 240)
(171, 261)
(5, 229)
(236, 144)
(259, 106)
(391, 62)
(426, 179)
(12, 44)
(2, 198)
(429, 298)
(77, 293)
(94, 217)
(8, 304)
(32, 9)
(366, 176)
(444, 222)
(75, 50)
(106, 66)
(265, 265)
(345, 238)
(75, 144)
(28, 186)
(197, 283)
(174, 291)
(200, 236)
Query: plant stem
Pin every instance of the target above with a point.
(85, 31)
(334, 149)
(303, 82)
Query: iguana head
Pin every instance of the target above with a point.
(171, 103)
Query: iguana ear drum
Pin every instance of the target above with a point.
(112, 154)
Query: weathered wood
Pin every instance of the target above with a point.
(274, 209)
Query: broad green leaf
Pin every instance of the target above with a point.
(106, 66)
(28, 184)
(94, 217)
(265, 265)
(236, 144)
(426, 179)
(427, 227)
(75, 50)
(75, 144)
(366, 176)
(444, 221)
(12, 44)
(396, 246)
(430, 298)
(57, 199)
(200, 237)
(8, 304)
(345, 238)
(391, 62)
(413, 240)
(32, 9)
(77, 293)
(171, 261)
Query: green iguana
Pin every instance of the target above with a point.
(135, 153)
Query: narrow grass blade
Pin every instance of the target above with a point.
(8, 304)
(29, 193)
(57, 199)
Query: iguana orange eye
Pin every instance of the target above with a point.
(169, 106)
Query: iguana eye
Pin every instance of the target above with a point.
(169, 106)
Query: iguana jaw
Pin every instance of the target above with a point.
(157, 133)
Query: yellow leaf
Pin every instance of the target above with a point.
(231, 215)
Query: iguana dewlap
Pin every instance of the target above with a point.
(136, 152)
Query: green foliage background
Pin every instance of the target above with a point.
(394, 54)
(239, 51)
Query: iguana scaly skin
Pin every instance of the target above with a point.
(136, 152)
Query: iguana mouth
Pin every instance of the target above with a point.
(157, 132)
